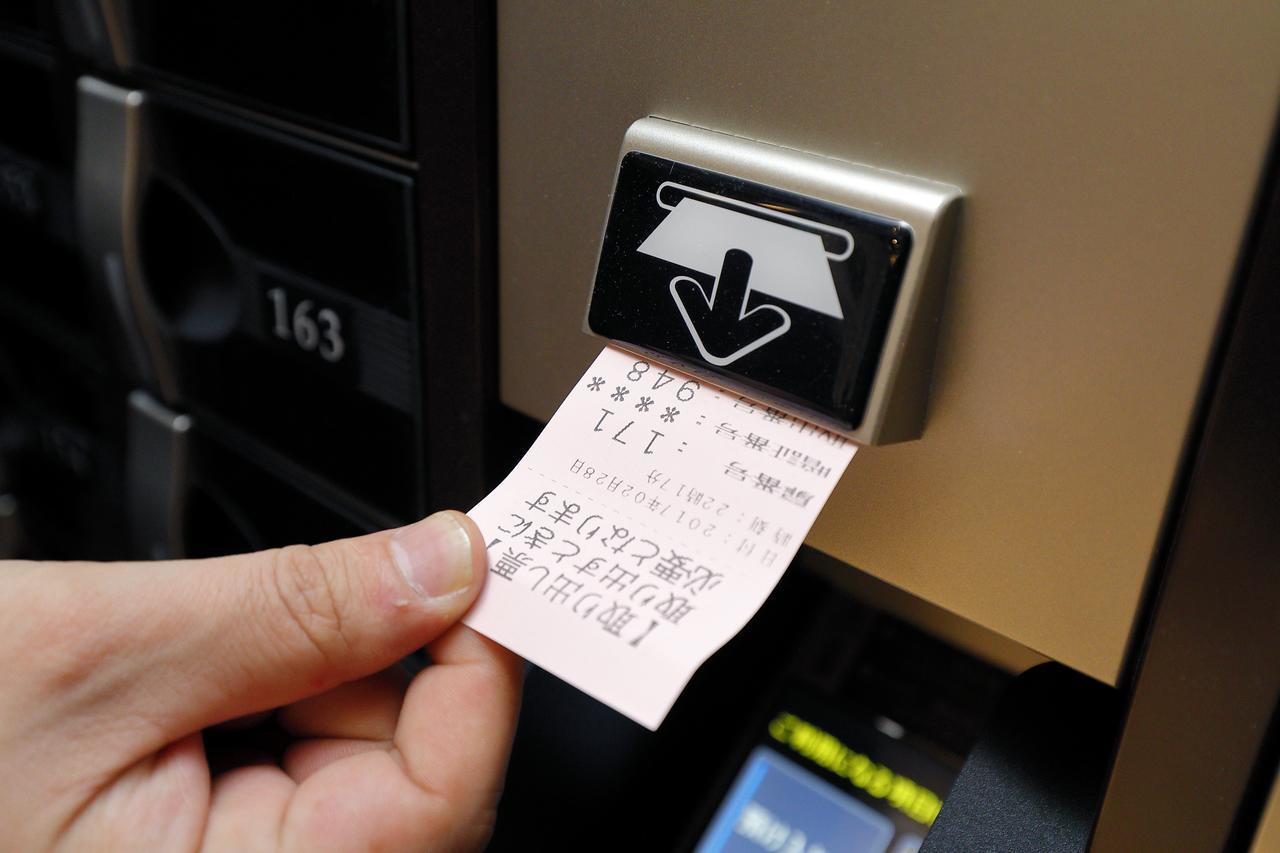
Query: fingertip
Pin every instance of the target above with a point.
(492, 674)
(441, 558)
(456, 727)
(479, 551)
(462, 644)
(502, 657)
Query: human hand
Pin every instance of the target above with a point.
(109, 673)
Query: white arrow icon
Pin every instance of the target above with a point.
(787, 259)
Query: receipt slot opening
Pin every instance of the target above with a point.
(808, 283)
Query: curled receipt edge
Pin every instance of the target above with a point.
(647, 524)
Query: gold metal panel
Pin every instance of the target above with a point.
(1108, 154)
(1267, 838)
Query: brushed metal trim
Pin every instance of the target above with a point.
(157, 471)
(111, 167)
(899, 393)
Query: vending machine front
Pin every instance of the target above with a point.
(282, 273)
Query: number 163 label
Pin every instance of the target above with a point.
(307, 324)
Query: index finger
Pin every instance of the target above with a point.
(455, 729)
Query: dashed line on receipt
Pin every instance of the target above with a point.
(649, 521)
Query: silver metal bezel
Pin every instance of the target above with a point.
(899, 393)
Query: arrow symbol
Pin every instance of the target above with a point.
(722, 324)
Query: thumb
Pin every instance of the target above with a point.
(209, 640)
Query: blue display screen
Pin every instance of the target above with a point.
(775, 805)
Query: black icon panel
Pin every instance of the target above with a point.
(770, 290)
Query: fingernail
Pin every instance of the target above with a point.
(434, 555)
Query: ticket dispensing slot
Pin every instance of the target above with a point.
(802, 281)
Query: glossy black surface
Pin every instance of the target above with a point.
(27, 18)
(304, 166)
(337, 63)
(821, 363)
(810, 648)
(1034, 780)
(233, 505)
(283, 276)
(327, 216)
(28, 102)
(43, 284)
(61, 446)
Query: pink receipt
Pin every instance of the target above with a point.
(645, 526)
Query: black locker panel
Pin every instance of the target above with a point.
(338, 64)
(283, 275)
